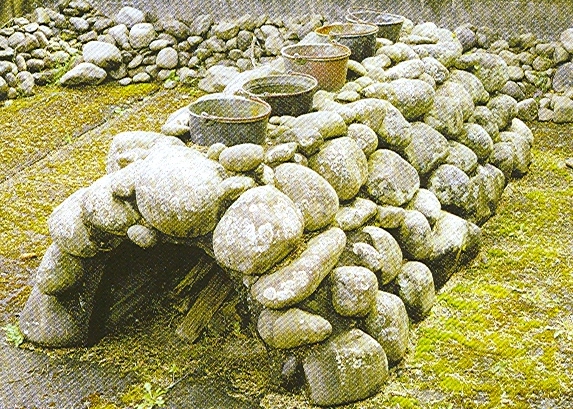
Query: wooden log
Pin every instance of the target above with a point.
(208, 302)
(182, 293)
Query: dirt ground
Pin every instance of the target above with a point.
(499, 336)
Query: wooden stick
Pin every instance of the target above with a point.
(208, 302)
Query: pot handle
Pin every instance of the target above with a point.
(208, 119)
(242, 93)
(298, 59)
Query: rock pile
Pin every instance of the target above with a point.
(338, 228)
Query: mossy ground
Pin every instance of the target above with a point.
(499, 336)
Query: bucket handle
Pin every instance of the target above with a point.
(242, 93)
(208, 119)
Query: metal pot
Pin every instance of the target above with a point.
(287, 94)
(325, 62)
(360, 38)
(389, 25)
(231, 120)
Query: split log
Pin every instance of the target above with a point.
(208, 302)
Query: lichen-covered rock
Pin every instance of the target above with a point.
(131, 146)
(280, 153)
(129, 16)
(329, 124)
(142, 236)
(292, 328)
(390, 217)
(104, 211)
(504, 158)
(426, 203)
(384, 119)
(84, 74)
(388, 324)
(217, 78)
(563, 77)
(141, 35)
(472, 84)
(490, 69)
(356, 214)
(233, 187)
(102, 54)
(343, 164)
(391, 180)
(428, 149)
(311, 193)
(389, 251)
(173, 202)
(242, 157)
(415, 285)
(257, 231)
(478, 140)
(58, 271)
(435, 69)
(485, 118)
(364, 136)
(415, 236)
(504, 109)
(522, 151)
(457, 91)
(406, 69)
(446, 116)
(445, 52)
(68, 230)
(353, 290)
(493, 181)
(462, 157)
(299, 279)
(450, 185)
(562, 110)
(349, 367)
(413, 98)
(45, 320)
(518, 126)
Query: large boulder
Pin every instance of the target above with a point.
(415, 236)
(141, 35)
(343, 164)
(105, 212)
(563, 78)
(173, 202)
(353, 290)
(67, 228)
(129, 16)
(388, 249)
(295, 282)
(292, 328)
(388, 323)
(446, 116)
(491, 69)
(450, 185)
(391, 179)
(311, 193)
(257, 231)
(102, 54)
(356, 214)
(472, 84)
(412, 97)
(84, 74)
(456, 90)
(415, 285)
(478, 140)
(428, 149)
(58, 271)
(349, 367)
(504, 109)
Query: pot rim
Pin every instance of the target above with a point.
(283, 94)
(345, 52)
(208, 117)
(368, 29)
(350, 14)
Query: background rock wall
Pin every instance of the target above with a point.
(545, 18)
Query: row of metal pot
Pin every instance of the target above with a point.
(240, 119)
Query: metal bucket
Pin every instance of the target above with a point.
(389, 25)
(231, 120)
(287, 94)
(325, 62)
(360, 38)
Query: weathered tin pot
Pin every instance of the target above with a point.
(231, 120)
(389, 25)
(325, 62)
(360, 38)
(287, 94)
